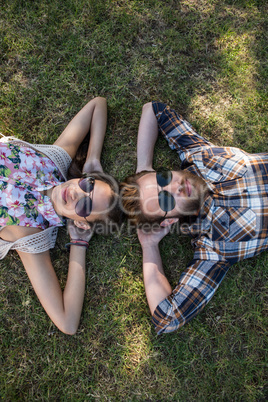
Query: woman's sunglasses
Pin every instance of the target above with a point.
(84, 205)
(165, 199)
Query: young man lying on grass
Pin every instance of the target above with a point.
(222, 192)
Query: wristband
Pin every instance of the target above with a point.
(77, 242)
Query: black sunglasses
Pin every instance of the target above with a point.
(84, 205)
(165, 199)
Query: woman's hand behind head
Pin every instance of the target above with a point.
(82, 233)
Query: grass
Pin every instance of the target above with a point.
(207, 59)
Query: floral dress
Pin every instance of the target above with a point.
(24, 172)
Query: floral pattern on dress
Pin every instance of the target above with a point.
(24, 172)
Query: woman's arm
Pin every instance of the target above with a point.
(63, 308)
(92, 117)
(147, 136)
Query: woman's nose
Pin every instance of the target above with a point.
(75, 194)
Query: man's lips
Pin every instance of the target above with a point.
(188, 188)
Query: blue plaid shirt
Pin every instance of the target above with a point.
(232, 224)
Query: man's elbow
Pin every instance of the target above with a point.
(170, 327)
(167, 321)
(147, 106)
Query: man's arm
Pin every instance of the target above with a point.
(172, 309)
(147, 136)
(196, 287)
(157, 287)
(178, 132)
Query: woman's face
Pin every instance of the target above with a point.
(65, 197)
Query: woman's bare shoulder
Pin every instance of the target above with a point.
(13, 233)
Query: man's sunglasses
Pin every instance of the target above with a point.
(165, 199)
(84, 205)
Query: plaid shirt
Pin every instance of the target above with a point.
(232, 224)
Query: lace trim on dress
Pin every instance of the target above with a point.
(35, 243)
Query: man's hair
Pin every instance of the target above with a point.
(115, 214)
(130, 200)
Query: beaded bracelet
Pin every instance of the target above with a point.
(77, 242)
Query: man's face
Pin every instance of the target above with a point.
(187, 189)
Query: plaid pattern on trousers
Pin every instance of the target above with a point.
(232, 224)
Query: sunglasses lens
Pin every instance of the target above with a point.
(163, 178)
(87, 184)
(83, 207)
(166, 201)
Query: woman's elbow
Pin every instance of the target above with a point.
(68, 328)
(100, 99)
(71, 332)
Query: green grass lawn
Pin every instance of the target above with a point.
(207, 59)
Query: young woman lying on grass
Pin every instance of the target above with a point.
(35, 198)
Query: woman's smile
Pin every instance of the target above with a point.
(64, 195)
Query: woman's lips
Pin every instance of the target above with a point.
(64, 195)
